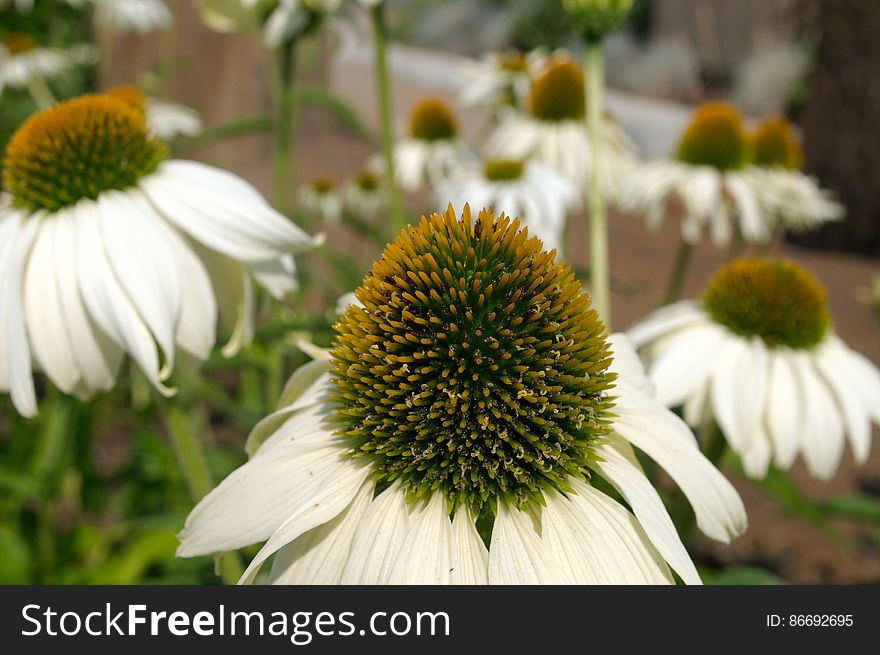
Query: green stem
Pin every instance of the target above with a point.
(285, 125)
(737, 245)
(40, 92)
(599, 276)
(383, 84)
(194, 465)
(679, 272)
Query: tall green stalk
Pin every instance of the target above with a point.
(194, 466)
(285, 124)
(600, 285)
(383, 85)
(679, 272)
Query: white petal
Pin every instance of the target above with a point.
(619, 466)
(823, 427)
(685, 363)
(319, 556)
(855, 415)
(253, 501)
(718, 508)
(425, 555)
(142, 259)
(739, 389)
(757, 454)
(470, 558)
(379, 536)
(277, 276)
(785, 408)
(517, 555)
(626, 363)
(46, 326)
(105, 300)
(665, 320)
(234, 294)
(331, 499)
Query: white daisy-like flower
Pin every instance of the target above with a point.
(321, 197)
(366, 195)
(758, 355)
(541, 197)
(553, 130)
(707, 182)
(474, 387)
(500, 78)
(108, 248)
(432, 150)
(132, 16)
(167, 120)
(788, 198)
(22, 59)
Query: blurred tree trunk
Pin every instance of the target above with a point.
(841, 122)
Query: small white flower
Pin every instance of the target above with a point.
(366, 195)
(758, 355)
(132, 16)
(706, 181)
(322, 198)
(22, 59)
(116, 250)
(432, 150)
(553, 130)
(531, 191)
(499, 78)
(387, 451)
(292, 17)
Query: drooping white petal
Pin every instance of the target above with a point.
(331, 498)
(277, 276)
(319, 556)
(105, 299)
(785, 408)
(757, 454)
(636, 556)
(718, 508)
(142, 259)
(739, 388)
(665, 320)
(425, 555)
(223, 212)
(517, 555)
(253, 501)
(619, 466)
(685, 363)
(863, 372)
(627, 365)
(379, 536)
(849, 400)
(823, 439)
(470, 558)
(49, 337)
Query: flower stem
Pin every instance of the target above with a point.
(383, 85)
(40, 92)
(194, 465)
(679, 272)
(285, 124)
(599, 276)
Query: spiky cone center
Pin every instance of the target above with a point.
(558, 93)
(432, 120)
(715, 137)
(130, 95)
(16, 43)
(503, 170)
(76, 150)
(776, 300)
(774, 144)
(475, 368)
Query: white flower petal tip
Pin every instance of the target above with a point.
(313, 351)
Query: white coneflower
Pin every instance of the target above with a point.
(706, 181)
(788, 198)
(500, 78)
(284, 19)
(109, 248)
(167, 120)
(541, 197)
(474, 386)
(365, 195)
(553, 130)
(432, 149)
(136, 16)
(321, 197)
(759, 356)
(23, 60)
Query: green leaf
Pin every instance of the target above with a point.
(311, 95)
(859, 506)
